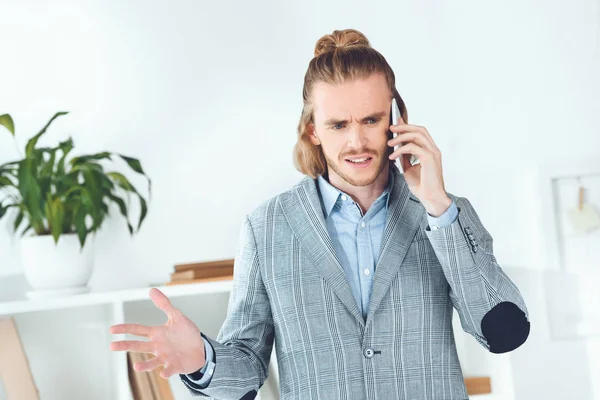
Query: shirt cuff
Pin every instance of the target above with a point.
(445, 219)
(202, 376)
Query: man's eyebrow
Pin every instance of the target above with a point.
(334, 121)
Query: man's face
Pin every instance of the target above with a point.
(351, 121)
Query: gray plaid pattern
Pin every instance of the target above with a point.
(290, 291)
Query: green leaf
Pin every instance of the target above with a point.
(18, 221)
(123, 208)
(121, 181)
(7, 122)
(33, 141)
(48, 166)
(4, 181)
(4, 209)
(143, 213)
(124, 183)
(135, 165)
(9, 165)
(95, 197)
(26, 230)
(30, 192)
(55, 219)
(66, 148)
(80, 226)
(84, 159)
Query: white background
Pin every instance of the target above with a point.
(208, 96)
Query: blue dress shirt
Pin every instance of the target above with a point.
(357, 237)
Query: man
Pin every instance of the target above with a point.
(354, 272)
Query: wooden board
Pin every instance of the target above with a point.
(141, 386)
(478, 385)
(188, 281)
(14, 367)
(212, 264)
(205, 272)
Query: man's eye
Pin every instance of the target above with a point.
(372, 121)
(338, 126)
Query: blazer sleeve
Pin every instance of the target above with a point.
(242, 349)
(489, 304)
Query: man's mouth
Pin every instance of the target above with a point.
(362, 161)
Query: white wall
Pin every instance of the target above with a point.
(208, 95)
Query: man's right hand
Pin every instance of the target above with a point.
(176, 345)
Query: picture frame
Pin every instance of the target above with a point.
(567, 258)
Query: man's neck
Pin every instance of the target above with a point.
(365, 196)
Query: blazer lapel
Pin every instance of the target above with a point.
(405, 215)
(302, 209)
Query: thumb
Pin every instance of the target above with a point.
(161, 301)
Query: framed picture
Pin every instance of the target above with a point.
(570, 197)
(570, 216)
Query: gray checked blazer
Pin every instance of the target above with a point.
(290, 291)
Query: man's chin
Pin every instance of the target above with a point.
(358, 176)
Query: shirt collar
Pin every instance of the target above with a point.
(330, 194)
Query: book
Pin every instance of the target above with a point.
(197, 273)
(135, 382)
(163, 388)
(147, 385)
(151, 377)
(141, 387)
(212, 279)
(227, 263)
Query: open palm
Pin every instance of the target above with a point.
(176, 345)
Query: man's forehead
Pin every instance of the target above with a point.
(357, 98)
(354, 107)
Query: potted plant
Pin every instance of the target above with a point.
(59, 204)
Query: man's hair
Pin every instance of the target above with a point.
(342, 56)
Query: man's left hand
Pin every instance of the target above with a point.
(425, 180)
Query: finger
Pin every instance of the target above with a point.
(167, 371)
(147, 365)
(400, 121)
(132, 329)
(427, 134)
(405, 161)
(410, 148)
(132, 345)
(161, 301)
(409, 137)
(402, 130)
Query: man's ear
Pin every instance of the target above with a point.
(312, 135)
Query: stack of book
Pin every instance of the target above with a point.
(202, 272)
(147, 385)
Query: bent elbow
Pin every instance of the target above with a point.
(505, 327)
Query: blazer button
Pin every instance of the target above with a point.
(368, 353)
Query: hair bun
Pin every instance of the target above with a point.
(340, 39)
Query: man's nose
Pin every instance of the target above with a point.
(357, 137)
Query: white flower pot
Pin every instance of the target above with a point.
(57, 268)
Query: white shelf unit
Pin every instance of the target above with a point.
(67, 339)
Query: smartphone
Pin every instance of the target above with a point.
(395, 115)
